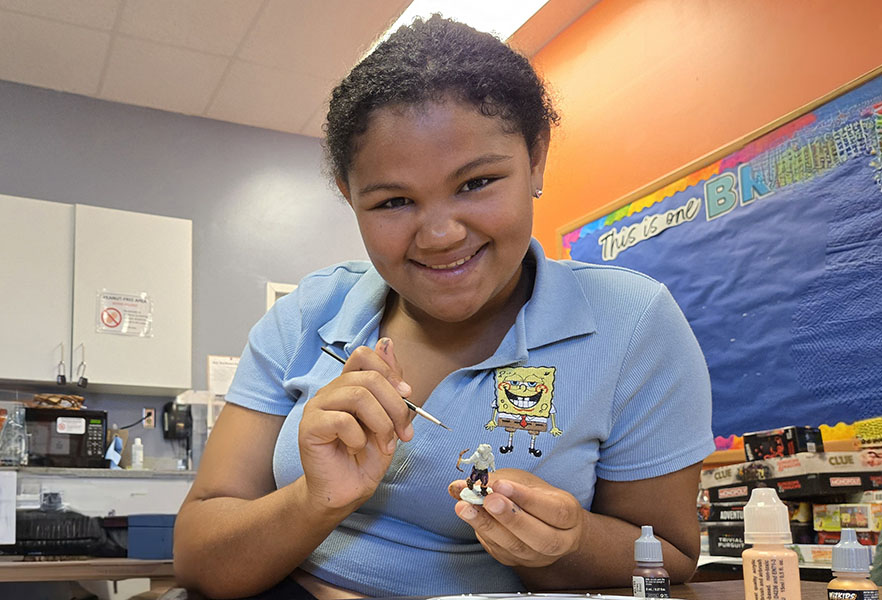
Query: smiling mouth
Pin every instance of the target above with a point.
(453, 265)
(523, 402)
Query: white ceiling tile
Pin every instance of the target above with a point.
(216, 26)
(322, 38)
(50, 54)
(100, 14)
(313, 127)
(172, 54)
(164, 77)
(265, 97)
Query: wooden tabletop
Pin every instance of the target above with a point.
(109, 569)
(726, 590)
(126, 568)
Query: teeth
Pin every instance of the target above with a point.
(523, 402)
(452, 265)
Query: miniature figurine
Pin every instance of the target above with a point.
(482, 462)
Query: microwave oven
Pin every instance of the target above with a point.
(60, 437)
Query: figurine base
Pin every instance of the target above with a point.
(473, 496)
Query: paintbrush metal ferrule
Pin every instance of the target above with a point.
(409, 404)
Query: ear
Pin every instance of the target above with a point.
(537, 159)
(344, 189)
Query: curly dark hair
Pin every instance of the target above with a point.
(427, 61)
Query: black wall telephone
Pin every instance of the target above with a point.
(177, 421)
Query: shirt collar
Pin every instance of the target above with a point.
(359, 316)
(557, 310)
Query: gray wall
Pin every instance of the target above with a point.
(261, 206)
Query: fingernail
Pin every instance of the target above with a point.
(494, 506)
(391, 446)
(384, 345)
(469, 513)
(408, 431)
(403, 388)
(503, 487)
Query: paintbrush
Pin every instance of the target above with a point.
(410, 404)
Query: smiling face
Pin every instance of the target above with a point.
(443, 199)
(525, 391)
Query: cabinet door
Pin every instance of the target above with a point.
(36, 261)
(121, 256)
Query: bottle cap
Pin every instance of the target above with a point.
(766, 520)
(137, 441)
(647, 548)
(849, 555)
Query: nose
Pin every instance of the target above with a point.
(440, 227)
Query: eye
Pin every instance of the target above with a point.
(530, 384)
(513, 382)
(477, 183)
(396, 202)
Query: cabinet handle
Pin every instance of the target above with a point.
(81, 368)
(61, 378)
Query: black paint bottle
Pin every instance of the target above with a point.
(649, 579)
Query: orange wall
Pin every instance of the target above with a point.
(647, 86)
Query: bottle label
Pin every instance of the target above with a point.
(651, 587)
(766, 578)
(852, 594)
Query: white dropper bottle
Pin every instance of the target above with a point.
(771, 569)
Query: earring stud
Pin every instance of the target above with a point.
(538, 193)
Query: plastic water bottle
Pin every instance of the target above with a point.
(137, 454)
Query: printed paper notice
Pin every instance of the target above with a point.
(125, 314)
(8, 485)
(220, 373)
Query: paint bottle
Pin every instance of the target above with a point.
(649, 579)
(851, 567)
(137, 454)
(771, 569)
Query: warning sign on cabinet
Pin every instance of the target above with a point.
(125, 314)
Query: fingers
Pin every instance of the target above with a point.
(455, 488)
(548, 504)
(515, 535)
(386, 351)
(353, 404)
(379, 372)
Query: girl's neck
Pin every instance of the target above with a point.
(476, 338)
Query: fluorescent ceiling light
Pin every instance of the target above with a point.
(499, 17)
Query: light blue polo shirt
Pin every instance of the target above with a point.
(600, 375)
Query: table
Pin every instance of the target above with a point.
(726, 590)
(107, 578)
(708, 590)
(94, 569)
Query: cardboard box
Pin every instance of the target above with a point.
(150, 536)
(727, 539)
(860, 517)
(721, 512)
(814, 554)
(831, 538)
(798, 476)
(786, 441)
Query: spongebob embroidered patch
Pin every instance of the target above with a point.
(524, 402)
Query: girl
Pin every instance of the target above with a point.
(587, 380)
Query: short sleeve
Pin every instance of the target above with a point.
(258, 383)
(662, 404)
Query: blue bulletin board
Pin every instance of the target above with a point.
(773, 249)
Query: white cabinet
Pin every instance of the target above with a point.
(36, 286)
(115, 287)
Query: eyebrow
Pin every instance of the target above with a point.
(487, 159)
